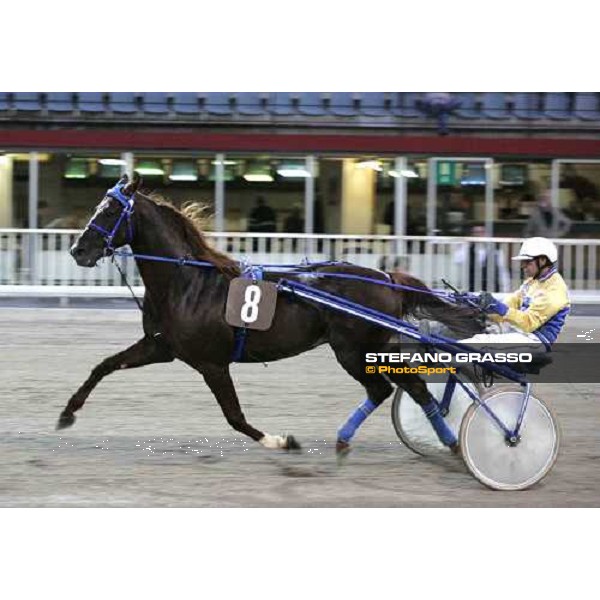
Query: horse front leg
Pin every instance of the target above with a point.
(146, 351)
(221, 385)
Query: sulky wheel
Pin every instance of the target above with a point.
(492, 459)
(412, 426)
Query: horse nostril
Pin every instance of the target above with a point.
(76, 251)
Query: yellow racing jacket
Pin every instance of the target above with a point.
(540, 306)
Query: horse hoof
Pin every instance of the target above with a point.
(455, 449)
(65, 420)
(342, 447)
(291, 443)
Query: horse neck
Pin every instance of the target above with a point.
(156, 236)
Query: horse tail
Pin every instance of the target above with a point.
(463, 321)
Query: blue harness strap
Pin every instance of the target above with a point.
(240, 334)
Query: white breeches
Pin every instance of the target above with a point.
(514, 337)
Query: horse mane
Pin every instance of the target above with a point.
(191, 220)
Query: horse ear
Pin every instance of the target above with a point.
(135, 184)
(124, 179)
(137, 181)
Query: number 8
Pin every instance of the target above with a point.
(252, 296)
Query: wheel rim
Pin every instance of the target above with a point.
(499, 465)
(413, 427)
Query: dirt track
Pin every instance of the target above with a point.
(156, 437)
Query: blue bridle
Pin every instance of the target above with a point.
(117, 193)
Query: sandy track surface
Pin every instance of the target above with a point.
(156, 437)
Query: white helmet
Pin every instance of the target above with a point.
(537, 246)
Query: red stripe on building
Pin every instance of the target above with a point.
(296, 143)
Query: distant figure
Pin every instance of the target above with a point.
(294, 223)
(476, 257)
(262, 217)
(389, 218)
(510, 209)
(458, 215)
(44, 214)
(546, 220)
(318, 223)
(440, 105)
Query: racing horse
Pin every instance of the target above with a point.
(184, 306)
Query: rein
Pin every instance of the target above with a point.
(127, 202)
(288, 270)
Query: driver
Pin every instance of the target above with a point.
(536, 312)
(530, 319)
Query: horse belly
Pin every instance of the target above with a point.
(296, 329)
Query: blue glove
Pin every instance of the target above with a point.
(489, 304)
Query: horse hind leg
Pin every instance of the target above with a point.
(146, 351)
(417, 389)
(221, 385)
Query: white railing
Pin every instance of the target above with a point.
(41, 258)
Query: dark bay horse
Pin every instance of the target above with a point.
(183, 311)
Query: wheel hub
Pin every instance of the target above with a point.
(513, 440)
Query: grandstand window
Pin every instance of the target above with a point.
(278, 182)
(71, 184)
(517, 186)
(578, 195)
(355, 195)
(180, 177)
(460, 194)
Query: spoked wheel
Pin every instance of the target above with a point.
(492, 459)
(413, 427)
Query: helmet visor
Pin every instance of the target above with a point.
(523, 257)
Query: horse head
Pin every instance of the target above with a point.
(110, 227)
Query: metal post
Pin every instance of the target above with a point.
(220, 193)
(33, 190)
(489, 198)
(33, 216)
(309, 202)
(127, 168)
(400, 204)
(431, 218)
(309, 195)
(555, 183)
(431, 196)
(490, 247)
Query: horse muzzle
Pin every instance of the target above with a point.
(82, 257)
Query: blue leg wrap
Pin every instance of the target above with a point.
(432, 412)
(347, 431)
